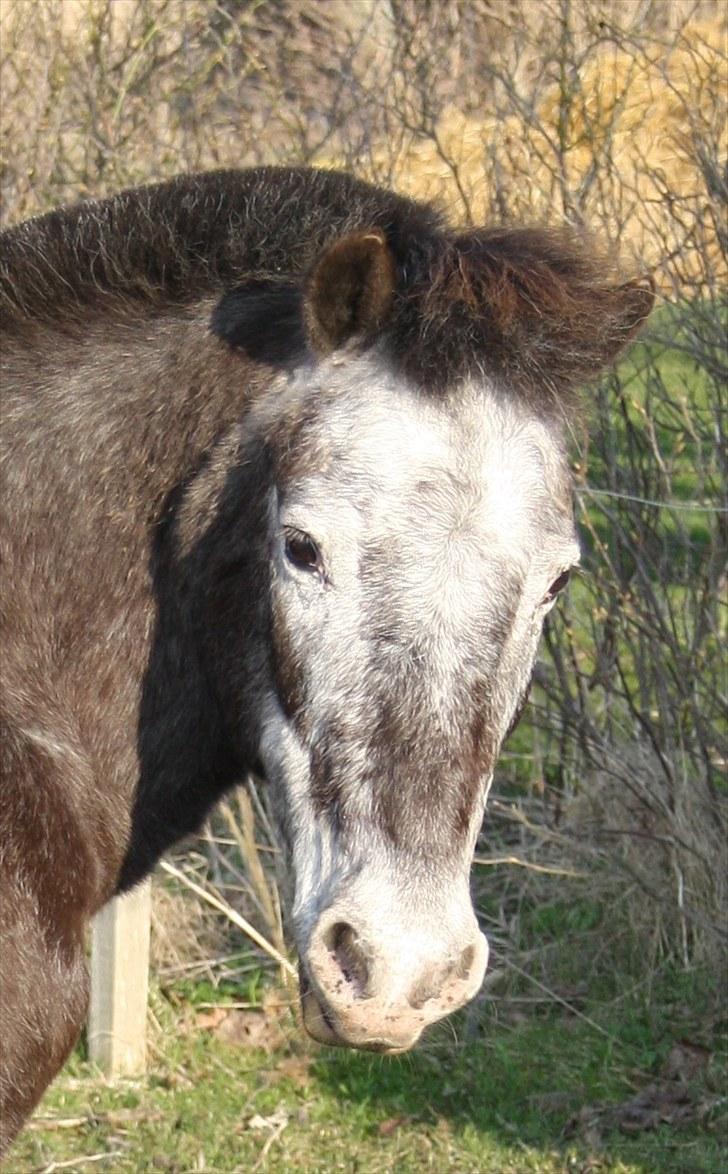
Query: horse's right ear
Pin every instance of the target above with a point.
(349, 291)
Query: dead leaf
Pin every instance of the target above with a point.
(168, 1165)
(685, 1060)
(586, 1124)
(273, 1126)
(297, 1069)
(210, 1019)
(387, 1128)
(275, 1121)
(253, 1029)
(242, 1027)
(666, 1102)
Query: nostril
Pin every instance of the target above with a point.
(425, 989)
(436, 982)
(465, 965)
(342, 942)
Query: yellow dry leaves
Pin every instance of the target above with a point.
(633, 145)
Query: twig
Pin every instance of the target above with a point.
(58, 1122)
(241, 1006)
(269, 1142)
(114, 1117)
(244, 834)
(564, 1002)
(691, 506)
(232, 915)
(205, 963)
(527, 864)
(77, 1162)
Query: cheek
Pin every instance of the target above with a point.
(285, 759)
(477, 819)
(303, 659)
(520, 707)
(516, 671)
(288, 668)
(320, 639)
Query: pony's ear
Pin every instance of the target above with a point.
(349, 291)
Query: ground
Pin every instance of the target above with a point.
(632, 1084)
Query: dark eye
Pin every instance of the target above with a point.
(302, 551)
(557, 585)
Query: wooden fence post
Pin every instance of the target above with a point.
(119, 983)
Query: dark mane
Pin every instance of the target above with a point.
(175, 242)
(535, 309)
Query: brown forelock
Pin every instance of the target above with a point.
(540, 311)
(193, 236)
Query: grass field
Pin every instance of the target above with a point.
(632, 1081)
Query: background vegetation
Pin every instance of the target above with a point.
(601, 876)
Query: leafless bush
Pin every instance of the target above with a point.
(607, 115)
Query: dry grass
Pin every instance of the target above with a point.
(634, 123)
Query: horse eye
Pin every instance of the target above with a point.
(302, 551)
(556, 586)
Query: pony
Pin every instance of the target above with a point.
(286, 489)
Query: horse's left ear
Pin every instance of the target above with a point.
(349, 291)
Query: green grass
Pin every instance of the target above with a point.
(493, 1093)
(660, 398)
(653, 439)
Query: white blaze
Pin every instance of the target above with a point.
(453, 496)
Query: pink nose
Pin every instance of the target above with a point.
(356, 995)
